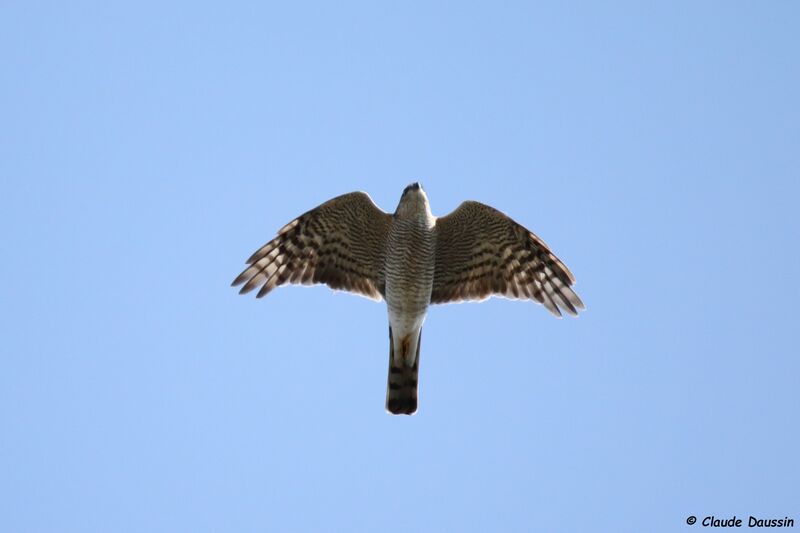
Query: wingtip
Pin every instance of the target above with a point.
(579, 309)
(241, 278)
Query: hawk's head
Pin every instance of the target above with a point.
(413, 203)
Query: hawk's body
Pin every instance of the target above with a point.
(410, 263)
(411, 259)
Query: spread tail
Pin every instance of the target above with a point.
(401, 393)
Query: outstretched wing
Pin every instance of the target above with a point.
(482, 252)
(341, 243)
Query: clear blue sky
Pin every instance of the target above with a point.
(146, 150)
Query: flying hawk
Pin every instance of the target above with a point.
(411, 259)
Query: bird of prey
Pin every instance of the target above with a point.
(411, 259)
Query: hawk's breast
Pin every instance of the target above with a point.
(410, 262)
